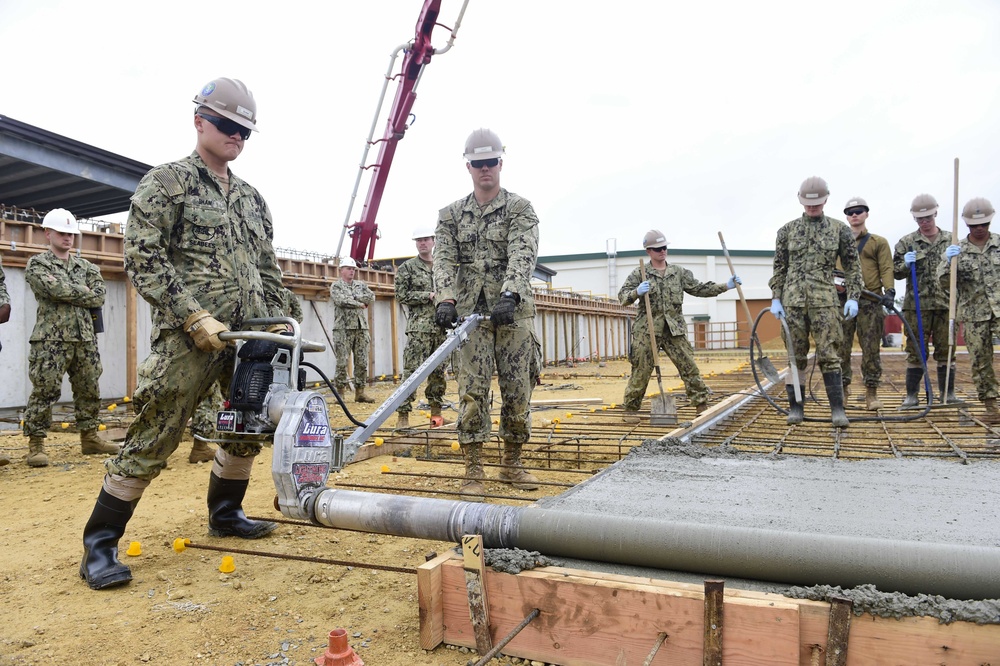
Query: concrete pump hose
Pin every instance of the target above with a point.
(954, 571)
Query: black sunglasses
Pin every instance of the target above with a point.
(479, 164)
(662, 248)
(227, 126)
(855, 211)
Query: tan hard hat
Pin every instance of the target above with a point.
(348, 262)
(813, 191)
(61, 220)
(231, 99)
(924, 205)
(978, 211)
(855, 202)
(422, 232)
(483, 144)
(653, 238)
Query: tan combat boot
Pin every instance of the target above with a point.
(201, 452)
(359, 396)
(630, 415)
(872, 403)
(36, 452)
(402, 420)
(992, 415)
(473, 489)
(90, 443)
(701, 409)
(513, 471)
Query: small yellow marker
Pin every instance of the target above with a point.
(569, 415)
(455, 446)
(102, 427)
(64, 425)
(384, 469)
(613, 405)
(113, 406)
(180, 544)
(227, 565)
(126, 399)
(134, 549)
(593, 409)
(379, 441)
(556, 420)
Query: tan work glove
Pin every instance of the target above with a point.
(205, 329)
(278, 328)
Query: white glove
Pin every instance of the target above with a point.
(642, 288)
(776, 308)
(733, 281)
(910, 258)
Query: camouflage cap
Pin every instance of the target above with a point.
(654, 238)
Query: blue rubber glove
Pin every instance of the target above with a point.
(776, 308)
(733, 281)
(910, 258)
(952, 251)
(850, 309)
(642, 288)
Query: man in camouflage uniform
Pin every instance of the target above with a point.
(876, 277)
(924, 247)
(4, 318)
(485, 254)
(414, 285)
(198, 248)
(63, 341)
(666, 285)
(351, 299)
(805, 255)
(203, 422)
(978, 297)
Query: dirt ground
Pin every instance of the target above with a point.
(179, 608)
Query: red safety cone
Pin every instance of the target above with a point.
(339, 653)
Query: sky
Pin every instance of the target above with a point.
(691, 118)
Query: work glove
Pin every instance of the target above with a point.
(4, 313)
(733, 281)
(776, 309)
(952, 251)
(205, 329)
(889, 299)
(278, 328)
(643, 288)
(910, 258)
(850, 309)
(446, 315)
(503, 311)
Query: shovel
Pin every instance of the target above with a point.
(762, 363)
(662, 410)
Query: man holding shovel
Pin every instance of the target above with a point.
(925, 248)
(665, 286)
(805, 255)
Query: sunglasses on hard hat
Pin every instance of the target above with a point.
(855, 211)
(227, 126)
(479, 164)
(662, 248)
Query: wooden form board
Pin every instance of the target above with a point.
(590, 619)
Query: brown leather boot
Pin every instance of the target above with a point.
(513, 471)
(91, 444)
(701, 409)
(872, 403)
(402, 420)
(473, 488)
(36, 452)
(201, 452)
(359, 396)
(992, 415)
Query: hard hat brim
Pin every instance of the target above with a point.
(926, 213)
(483, 156)
(814, 201)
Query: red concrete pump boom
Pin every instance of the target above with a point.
(418, 53)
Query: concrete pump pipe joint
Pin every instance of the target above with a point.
(911, 567)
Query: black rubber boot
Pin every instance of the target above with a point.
(100, 566)
(913, 377)
(796, 412)
(835, 394)
(942, 377)
(225, 510)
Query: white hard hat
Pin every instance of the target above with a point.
(61, 220)
(483, 144)
(423, 232)
(348, 262)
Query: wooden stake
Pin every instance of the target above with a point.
(473, 563)
(714, 603)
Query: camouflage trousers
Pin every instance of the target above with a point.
(172, 380)
(514, 352)
(354, 342)
(420, 345)
(681, 354)
(206, 413)
(824, 323)
(869, 326)
(935, 329)
(979, 337)
(48, 361)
